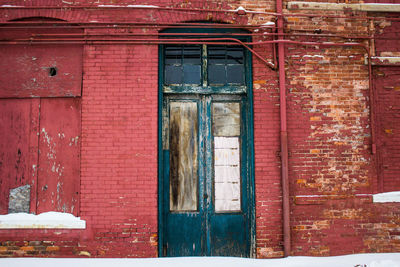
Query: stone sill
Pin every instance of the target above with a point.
(388, 197)
(384, 61)
(342, 7)
(46, 220)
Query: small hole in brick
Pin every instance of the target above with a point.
(318, 31)
(53, 71)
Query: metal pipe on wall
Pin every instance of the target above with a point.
(265, 34)
(282, 85)
(272, 65)
(284, 136)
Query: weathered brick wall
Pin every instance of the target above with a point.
(42, 243)
(325, 226)
(331, 169)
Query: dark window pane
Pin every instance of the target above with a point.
(192, 55)
(183, 64)
(216, 54)
(191, 74)
(216, 49)
(234, 55)
(235, 74)
(173, 55)
(216, 74)
(173, 74)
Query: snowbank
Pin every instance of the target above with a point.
(387, 197)
(44, 220)
(357, 260)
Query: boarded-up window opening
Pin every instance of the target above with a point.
(45, 158)
(226, 131)
(183, 129)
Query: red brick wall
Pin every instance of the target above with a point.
(331, 169)
(267, 160)
(119, 147)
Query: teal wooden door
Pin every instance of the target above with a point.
(206, 182)
(205, 151)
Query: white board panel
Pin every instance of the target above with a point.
(226, 142)
(226, 157)
(227, 174)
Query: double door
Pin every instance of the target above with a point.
(205, 179)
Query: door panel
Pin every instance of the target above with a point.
(228, 219)
(228, 235)
(205, 182)
(183, 235)
(184, 211)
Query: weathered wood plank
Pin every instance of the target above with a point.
(183, 128)
(40, 70)
(226, 119)
(59, 163)
(18, 146)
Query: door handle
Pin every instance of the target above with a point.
(205, 196)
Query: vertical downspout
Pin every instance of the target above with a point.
(284, 137)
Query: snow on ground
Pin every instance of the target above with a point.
(357, 260)
(44, 220)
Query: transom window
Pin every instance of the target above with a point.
(204, 66)
(225, 65)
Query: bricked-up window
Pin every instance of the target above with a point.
(40, 124)
(387, 110)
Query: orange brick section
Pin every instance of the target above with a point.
(60, 245)
(332, 170)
